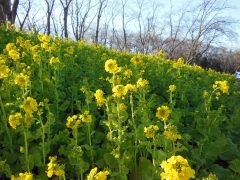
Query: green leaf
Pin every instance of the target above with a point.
(235, 165)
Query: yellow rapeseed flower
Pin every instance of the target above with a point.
(111, 66)
(176, 168)
(130, 87)
(86, 117)
(142, 83)
(119, 91)
(162, 53)
(4, 70)
(136, 60)
(102, 175)
(171, 132)
(93, 175)
(99, 97)
(54, 60)
(30, 105)
(54, 168)
(150, 131)
(211, 176)
(23, 176)
(163, 113)
(15, 55)
(15, 120)
(22, 80)
(73, 122)
(172, 88)
(222, 86)
(44, 38)
(128, 73)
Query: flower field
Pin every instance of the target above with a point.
(72, 110)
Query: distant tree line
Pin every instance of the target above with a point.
(194, 32)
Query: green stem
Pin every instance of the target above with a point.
(135, 130)
(76, 136)
(5, 125)
(26, 148)
(43, 141)
(154, 152)
(90, 141)
(119, 138)
(56, 94)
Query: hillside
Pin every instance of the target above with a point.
(68, 107)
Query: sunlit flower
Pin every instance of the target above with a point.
(128, 73)
(163, 113)
(222, 86)
(15, 55)
(99, 97)
(54, 60)
(136, 60)
(15, 120)
(4, 70)
(54, 168)
(130, 87)
(171, 132)
(23, 176)
(30, 105)
(44, 38)
(211, 176)
(22, 80)
(69, 50)
(119, 91)
(162, 53)
(73, 122)
(86, 117)
(111, 66)
(172, 88)
(150, 131)
(142, 83)
(176, 168)
(94, 175)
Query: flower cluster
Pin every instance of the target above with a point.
(54, 168)
(171, 132)
(13, 52)
(211, 176)
(163, 113)
(99, 97)
(4, 69)
(86, 117)
(94, 175)
(119, 91)
(142, 83)
(222, 86)
(136, 60)
(54, 60)
(23, 176)
(150, 131)
(172, 88)
(73, 122)
(30, 105)
(22, 80)
(15, 120)
(176, 168)
(111, 66)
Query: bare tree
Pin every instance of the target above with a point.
(50, 5)
(26, 8)
(65, 5)
(207, 26)
(102, 4)
(8, 10)
(79, 16)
